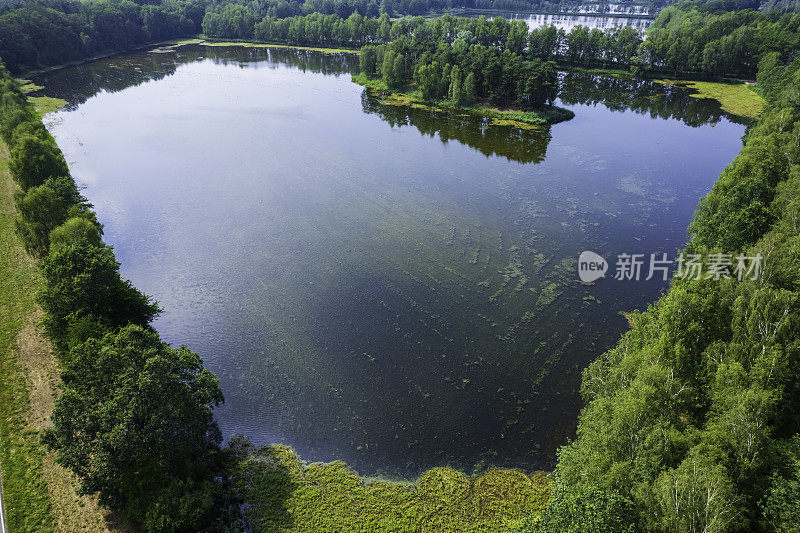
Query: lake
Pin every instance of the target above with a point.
(569, 21)
(390, 286)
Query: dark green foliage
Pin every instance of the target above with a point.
(589, 511)
(687, 38)
(41, 211)
(33, 160)
(469, 89)
(83, 287)
(34, 128)
(15, 117)
(35, 35)
(368, 60)
(781, 502)
(738, 209)
(47, 206)
(135, 422)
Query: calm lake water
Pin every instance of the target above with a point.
(567, 22)
(393, 287)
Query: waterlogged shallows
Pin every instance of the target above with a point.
(391, 286)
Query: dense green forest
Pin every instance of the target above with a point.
(691, 422)
(684, 40)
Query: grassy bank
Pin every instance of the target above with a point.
(287, 495)
(24, 491)
(498, 117)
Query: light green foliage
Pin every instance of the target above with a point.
(33, 160)
(287, 495)
(73, 230)
(698, 495)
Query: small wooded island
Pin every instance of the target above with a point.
(690, 422)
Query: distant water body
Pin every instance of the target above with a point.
(567, 22)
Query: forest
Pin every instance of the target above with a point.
(690, 423)
(685, 40)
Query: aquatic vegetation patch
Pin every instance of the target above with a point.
(27, 86)
(286, 494)
(44, 104)
(735, 98)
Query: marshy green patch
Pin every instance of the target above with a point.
(284, 494)
(250, 44)
(735, 98)
(27, 86)
(498, 117)
(44, 104)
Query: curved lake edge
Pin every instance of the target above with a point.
(345, 81)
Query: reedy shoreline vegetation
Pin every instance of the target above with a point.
(699, 397)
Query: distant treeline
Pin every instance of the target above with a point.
(692, 422)
(686, 39)
(134, 418)
(37, 35)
